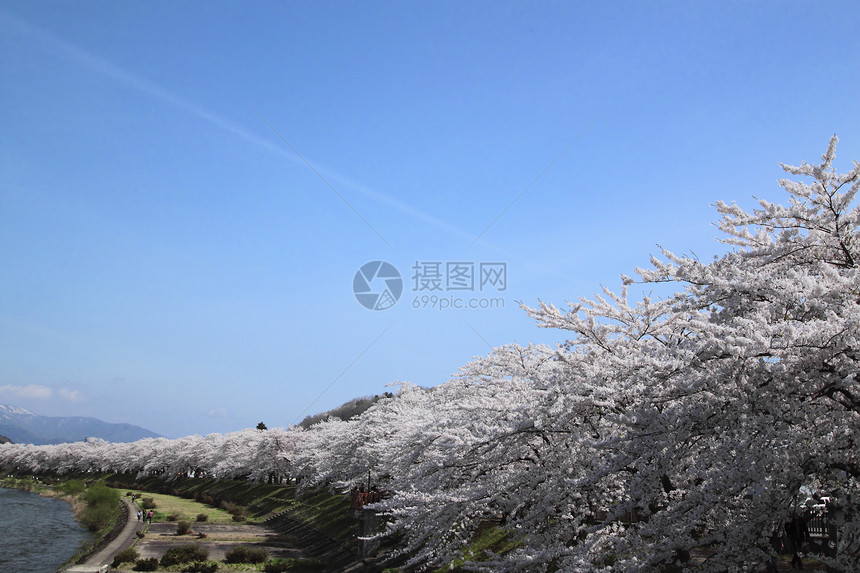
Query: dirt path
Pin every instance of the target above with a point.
(125, 539)
(218, 540)
(278, 541)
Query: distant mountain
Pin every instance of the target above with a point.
(24, 427)
(4, 440)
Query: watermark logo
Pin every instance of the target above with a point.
(430, 276)
(377, 285)
(439, 285)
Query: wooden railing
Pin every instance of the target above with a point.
(818, 526)
(358, 499)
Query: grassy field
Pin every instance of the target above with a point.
(183, 499)
(327, 512)
(184, 509)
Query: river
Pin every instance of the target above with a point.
(37, 534)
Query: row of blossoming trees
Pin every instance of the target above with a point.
(683, 429)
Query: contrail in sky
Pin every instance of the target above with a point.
(49, 41)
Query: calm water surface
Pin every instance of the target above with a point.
(37, 534)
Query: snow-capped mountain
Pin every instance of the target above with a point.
(22, 426)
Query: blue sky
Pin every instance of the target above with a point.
(187, 190)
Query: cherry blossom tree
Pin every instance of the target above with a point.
(727, 399)
(675, 431)
(663, 432)
(247, 454)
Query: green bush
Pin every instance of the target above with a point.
(101, 504)
(183, 527)
(101, 494)
(238, 517)
(277, 566)
(184, 554)
(147, 503)
(200, 567)
(280, 565)
(172, 517)
(97, 516)
(242, 554)
(129, 555)
(202, 517)
(150, 564)
(72, 487)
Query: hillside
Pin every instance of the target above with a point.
(346, 411)
(25, 427)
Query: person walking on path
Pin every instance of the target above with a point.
(796, 535)
(124, 539)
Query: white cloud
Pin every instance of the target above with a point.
(218, 412)
(39, 392)
(72, 395)
(28, 391)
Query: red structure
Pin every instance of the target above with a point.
(359, 498)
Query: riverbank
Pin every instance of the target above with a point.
(313, 531)
(71, 491)
(40, 532)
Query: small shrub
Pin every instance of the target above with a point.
(277, 567)
(101, 494)
(173, 517)
(242, 554)
(150, 564)
(238, 517)
(147, 503)
(96, 517)
(208, 500)
(129, 494)
(129, 555)
(72, 487)
(202, 517)
(200, 567)
(140, 534)
(183, 528)
(201, 535)
(230, 507)
(290, 565)
(184, 554)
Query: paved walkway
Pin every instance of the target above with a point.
(125, 539)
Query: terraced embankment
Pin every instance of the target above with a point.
(317, 526)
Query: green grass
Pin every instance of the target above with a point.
(187, 509)
(322, 510)
(297, 565)
(488, 537)
(326, 512)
